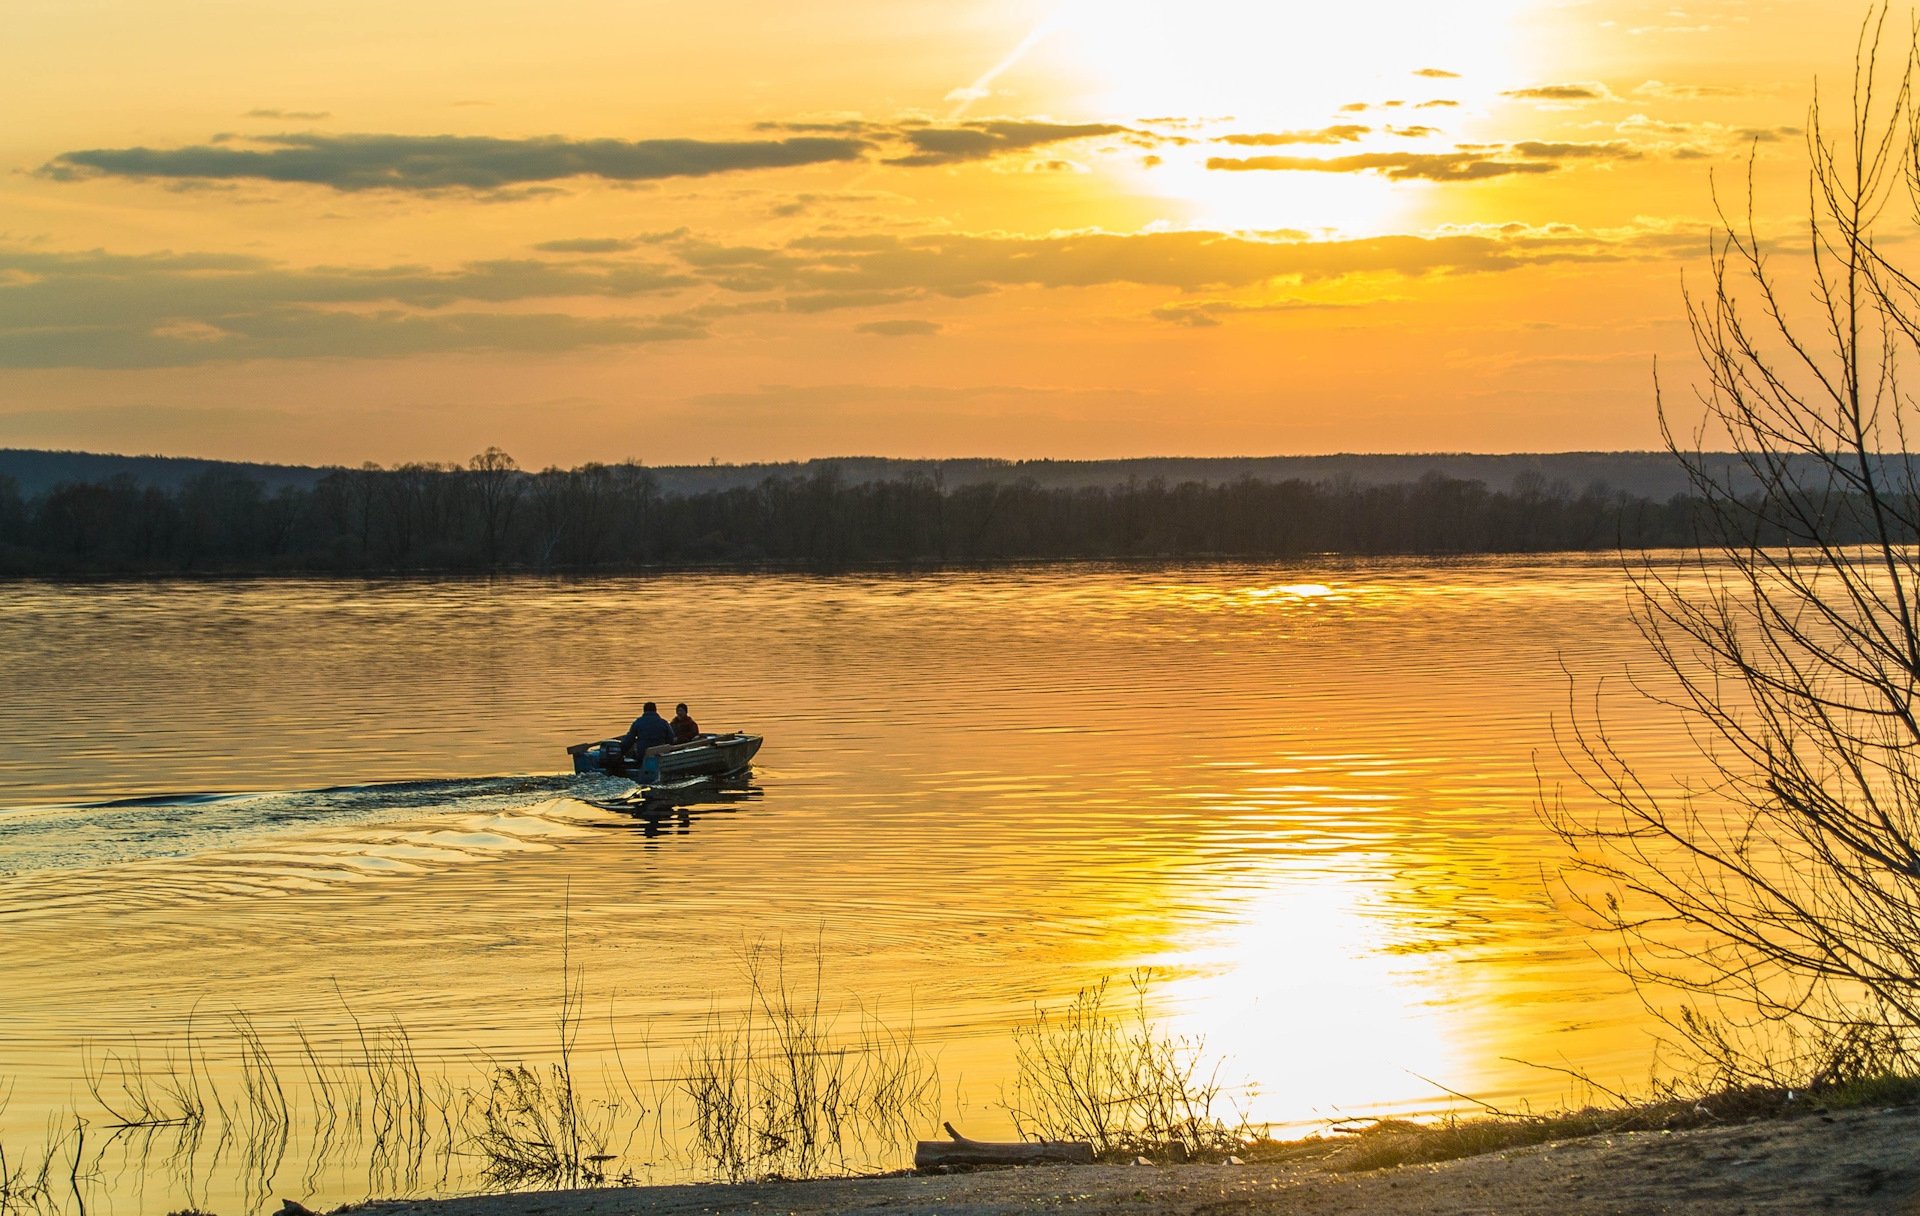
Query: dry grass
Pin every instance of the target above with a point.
(1384, 1143)
(781, 1091)
(49, 1181)
(1114, 1079)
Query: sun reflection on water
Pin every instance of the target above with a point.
(1300, 591)
(1306, 1003)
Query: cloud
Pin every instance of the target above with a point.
(586, 244)
(303, 334)
(833, 301)
(1662, 91)
(291, 115)
(1207, 314)
(1338, 134)
(1702, 139)
(1437, 74)
(1414, 132)
(969, 264)
(1436, 104)
(1467, 162)
(107, 310)
(899, 328)
(1614, 149)
(450, 162)
(982, 140)
(495, 166)
(102, 310)
(1458, 166)
(826, 126)
(1587, 91)
(800, 204)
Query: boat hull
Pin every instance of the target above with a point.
(707, 756)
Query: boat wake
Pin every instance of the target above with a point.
(85, 835)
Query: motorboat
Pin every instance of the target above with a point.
(702, 756)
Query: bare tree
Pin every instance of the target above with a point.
(498, 486)
(1779, 891)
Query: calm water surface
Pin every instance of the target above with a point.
(1303, 794)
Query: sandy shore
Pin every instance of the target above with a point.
(1849, 1162)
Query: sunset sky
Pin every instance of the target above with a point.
(361, 230)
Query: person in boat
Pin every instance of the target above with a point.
(685, 729)
(648, 730)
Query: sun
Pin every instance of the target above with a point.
(1408, 76)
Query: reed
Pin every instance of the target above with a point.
(34, 1184)
(780, 1090)
(792, 1085)
(1114, 1079)
(538, 1127)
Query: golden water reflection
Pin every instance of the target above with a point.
(1303, 795)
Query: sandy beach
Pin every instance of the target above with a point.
(1848, 1162)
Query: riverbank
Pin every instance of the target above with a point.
(1859, 1161)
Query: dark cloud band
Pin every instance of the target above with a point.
(452, 162)
(483, 163)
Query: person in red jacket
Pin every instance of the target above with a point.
(685, 729)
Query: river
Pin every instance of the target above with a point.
(1302, 796)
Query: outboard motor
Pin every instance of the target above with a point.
(602, 757)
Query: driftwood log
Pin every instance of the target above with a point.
(960, 1151)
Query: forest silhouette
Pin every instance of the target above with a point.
(489, 515)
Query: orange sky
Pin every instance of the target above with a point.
(353, 230)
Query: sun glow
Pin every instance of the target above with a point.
(1406, 76)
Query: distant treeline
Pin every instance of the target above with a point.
(490, 515)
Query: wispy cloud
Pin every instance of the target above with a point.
(1475, 162)
(948, 145)
(106, 310)
(1660, 90)
(300, 334)
(1340, 133)
(961, 265)
(1537, 149)
(482, 164)
(586, 244)
(1574, 92)
(101, 310)
(290, 115)
(899, 328)
(451, 162)
(1460, 166)
(1209, 314)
